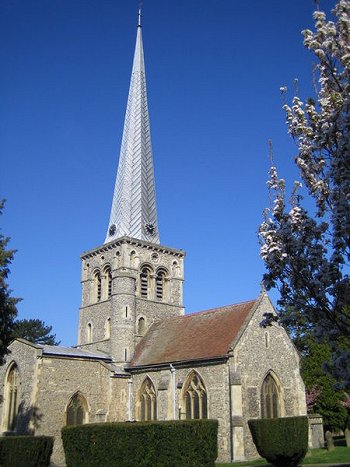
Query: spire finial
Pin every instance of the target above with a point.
(139, 23)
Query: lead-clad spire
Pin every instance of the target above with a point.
(134, 211)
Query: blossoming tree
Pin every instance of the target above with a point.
(307, 252)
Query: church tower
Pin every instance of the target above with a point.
(131, 280)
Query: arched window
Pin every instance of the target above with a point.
(97, 281)
(160, 284)
(141, 327)
(148, 401)
(195, 397)
(11, 395)
(76, 410)
(270, 398)
(108, 328)
(145, 281)
(89, 332)
(108, 275)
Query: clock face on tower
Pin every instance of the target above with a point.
(150, 229)
(112, 230)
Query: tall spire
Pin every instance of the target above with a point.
(134, 211)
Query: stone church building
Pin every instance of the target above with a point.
(139, 357)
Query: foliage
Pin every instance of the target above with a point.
(171, 443)
(8, 309)
(281, 441)
(307, 255)
(25, 451)
(34, 330)
(328, 402)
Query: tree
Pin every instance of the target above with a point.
(8, 310)
(307, 252)
(34, 330)
(328, 401)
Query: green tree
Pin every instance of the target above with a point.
(307, 251)
(329, 402)
(8, 310)
(34, 330)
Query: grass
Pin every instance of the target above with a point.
(339, 455)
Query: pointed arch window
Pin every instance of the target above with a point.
(148, 401)
(11, 394)
(145, 281)
(270, 398)
(76, 410)
(160, 284)
(98, 285)
(195, 398)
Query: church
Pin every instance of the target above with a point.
(139, 356)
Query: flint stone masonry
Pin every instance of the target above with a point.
(132, 327)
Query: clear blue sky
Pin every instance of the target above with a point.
(214, 69)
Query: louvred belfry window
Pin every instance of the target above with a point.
(145, 278)
(160, 283)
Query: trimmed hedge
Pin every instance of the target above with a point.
(25, 451)
(170, 443)
(283, 442)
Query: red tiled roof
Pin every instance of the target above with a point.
(203, 335)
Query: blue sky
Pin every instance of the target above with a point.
(214, 69)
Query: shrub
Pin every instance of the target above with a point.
(25, 451)
(283, 442)
(171, 443)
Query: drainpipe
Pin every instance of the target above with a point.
(173, 379)
(230, 407)
(129, 399)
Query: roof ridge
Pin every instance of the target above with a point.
(197, 313)
(212, 310)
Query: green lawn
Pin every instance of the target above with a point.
(339, 455)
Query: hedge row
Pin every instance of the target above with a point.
(25, 451)
(283, 442)
(171, 443)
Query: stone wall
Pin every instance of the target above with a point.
(215, 378)
(258, 352)
(25, 356)
(58, 381)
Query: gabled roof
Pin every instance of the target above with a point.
(205, 335)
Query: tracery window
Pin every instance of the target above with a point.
(76, 410)
(195, 397)
(12, 398)
(145, 281)
(148, 401)
(160, 284)
(270, 398)
(98, 288)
